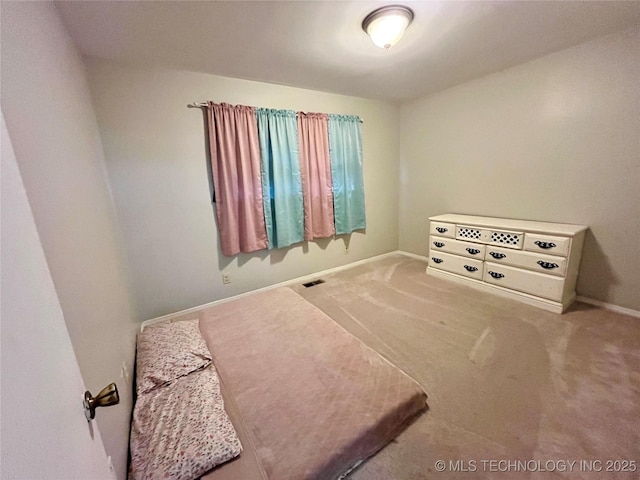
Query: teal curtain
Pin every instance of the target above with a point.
(345, 150)
(281, 182)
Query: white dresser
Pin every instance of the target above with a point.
(534, 262)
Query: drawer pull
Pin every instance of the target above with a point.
(547, 265)
(545, 245)
(495, 274)
(442, 229)
(438, 244)
(497, 255)
(437, 260)
(470, 268)
(473, 251)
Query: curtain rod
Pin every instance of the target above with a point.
(205, 104)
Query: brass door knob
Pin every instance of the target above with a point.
(108, 396)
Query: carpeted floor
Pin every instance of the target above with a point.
(515, 392)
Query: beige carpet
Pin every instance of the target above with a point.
(506, 381)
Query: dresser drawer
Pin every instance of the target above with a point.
(547, 244)
(466, 249)
(537, 262)
(443, 229)
(502, 238)
(534, 283)
(468, 267)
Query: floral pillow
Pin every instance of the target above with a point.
(182, 431)
(167, 352)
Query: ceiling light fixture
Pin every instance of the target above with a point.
(386, 25)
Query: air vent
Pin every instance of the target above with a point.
(311, 284)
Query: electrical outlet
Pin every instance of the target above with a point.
(226, 278)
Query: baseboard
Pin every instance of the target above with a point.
(303, 279)
(609, 306)
(412, 255)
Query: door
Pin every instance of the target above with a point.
(44, 432)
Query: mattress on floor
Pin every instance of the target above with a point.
(308, 399)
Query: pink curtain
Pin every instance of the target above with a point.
(315, 170)
(235, 161)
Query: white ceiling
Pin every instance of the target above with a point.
(320, 44)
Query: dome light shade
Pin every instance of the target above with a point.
(386, 25)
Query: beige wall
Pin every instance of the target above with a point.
(48, 112)
(157, 163)
(555, 139)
